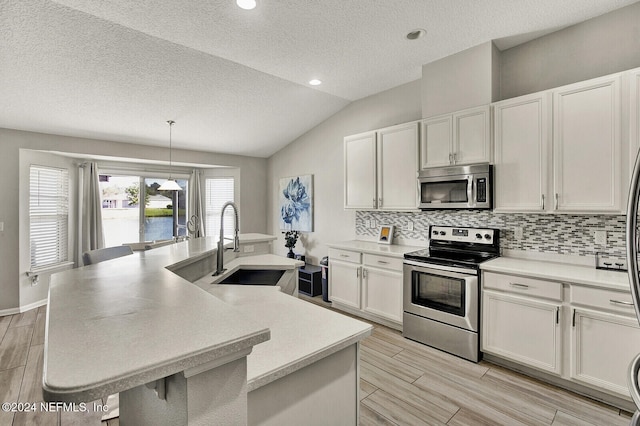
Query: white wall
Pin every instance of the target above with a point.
(13, 293)
(603, 45)
(320, 152)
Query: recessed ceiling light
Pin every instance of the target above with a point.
(315, 82)
(415, 34)
(246, 4)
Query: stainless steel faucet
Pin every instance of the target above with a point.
(236, 240)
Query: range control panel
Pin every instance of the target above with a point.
(466, 235)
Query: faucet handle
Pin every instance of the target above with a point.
(236, 243)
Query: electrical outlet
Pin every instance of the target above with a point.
(410, 226)
(373, 223)
(600, 237)
(367, 223)
(517, 232)
(248, 249)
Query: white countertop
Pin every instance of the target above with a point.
(128, 321)
(560, 272)
(391, 250)
(301, 333)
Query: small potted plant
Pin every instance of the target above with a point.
(290, 240)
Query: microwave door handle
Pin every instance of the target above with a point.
(470, 195)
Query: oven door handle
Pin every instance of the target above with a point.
(444, 271)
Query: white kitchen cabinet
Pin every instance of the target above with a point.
(463, 137)
(634, 122)
(587, 146)
(605, 337)
(522, 329)
(380, 169)
(570, 166)
(360, 171)
(382, 287)
(522, 138)
(345, 280)
(367, 285)
(602, 347)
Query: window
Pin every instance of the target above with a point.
(48, 216)
(125, 219)
(219, 190)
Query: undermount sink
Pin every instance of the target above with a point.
(254, 277)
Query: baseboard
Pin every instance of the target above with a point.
(21, 309)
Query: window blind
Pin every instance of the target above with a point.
(48, 216)
(219, 190)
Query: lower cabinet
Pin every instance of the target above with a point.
(592, 345)
(367, 285)
(523, 329)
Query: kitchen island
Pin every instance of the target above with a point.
(178, 354)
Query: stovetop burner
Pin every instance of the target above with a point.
(456, 246)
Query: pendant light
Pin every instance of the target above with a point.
(170, 184)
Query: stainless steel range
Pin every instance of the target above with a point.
(442, 289)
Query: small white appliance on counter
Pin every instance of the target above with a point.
(441, 296)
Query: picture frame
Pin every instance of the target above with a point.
(296, 203)
(385, 235)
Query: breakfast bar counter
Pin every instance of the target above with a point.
(133, 326)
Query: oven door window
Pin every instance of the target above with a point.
(437, 292)
(453, 191)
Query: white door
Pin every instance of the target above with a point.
(587, 147)
(472, 136)
(436, 142)
(382, 293)
(522, 153)
(360, 171)
(522, 329)
(344, 283)
(398, 167)
(602, 347)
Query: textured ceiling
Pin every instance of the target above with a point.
(234, 81)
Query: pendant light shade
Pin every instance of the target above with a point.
(170, 184)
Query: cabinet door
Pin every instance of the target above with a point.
(360, 171)
(634, 127)
(382, 293)
(436, 142)
(522, 329)
(344, 283)
(398, 167)
(602, 347)
(587, 147)
(522, 148)
(472, 136)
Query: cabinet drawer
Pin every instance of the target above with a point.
(522, 285)
(344, 255)
(617, 301)
(385, 262)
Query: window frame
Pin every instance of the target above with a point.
(219, 173)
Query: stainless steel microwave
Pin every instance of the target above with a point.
(456, 187)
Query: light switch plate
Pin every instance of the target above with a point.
(367, 223)
(248, 249)
(410, 226)
(373, 223)
(518, 233)
(600, 237)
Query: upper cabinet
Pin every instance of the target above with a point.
(380, 169)
(560, 150)
(634, 119)
(522, 139)
(587, 146)
(463, 137)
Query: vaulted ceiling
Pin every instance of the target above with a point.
(235, 81)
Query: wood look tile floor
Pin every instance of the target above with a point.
(402, 383)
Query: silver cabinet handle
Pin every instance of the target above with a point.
(344, 255)
(375, 205)
(455, 159)
(358, 273)
(573, 319)
(542, 201)
(364, 273)
(621, 302)
(382, 262)
(558, 315)
(450, 158)
(379, 203)
(557, 201)
(523, 286)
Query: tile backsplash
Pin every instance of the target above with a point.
(543, 233)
